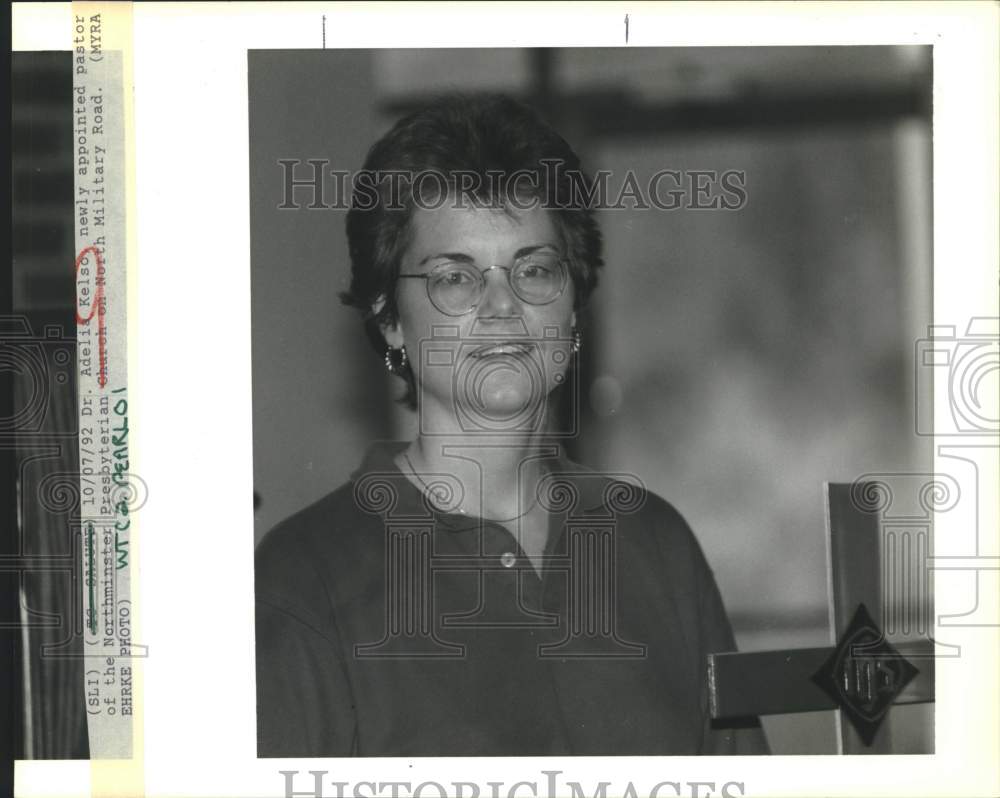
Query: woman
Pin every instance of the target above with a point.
(472, 591)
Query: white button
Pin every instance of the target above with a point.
(507, 559)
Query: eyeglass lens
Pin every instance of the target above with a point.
(457, 288)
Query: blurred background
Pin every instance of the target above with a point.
(42, 643)
(733, 360)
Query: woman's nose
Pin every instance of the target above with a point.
(498, 298)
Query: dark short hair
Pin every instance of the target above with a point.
(477, 137)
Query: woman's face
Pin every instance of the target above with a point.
(491, 369)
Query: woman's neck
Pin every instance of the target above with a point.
(496, 478)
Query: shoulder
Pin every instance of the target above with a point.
(672, 531)
(672, 544)
(314, 527)
(625, 498)
(294, 561)
(651, 529)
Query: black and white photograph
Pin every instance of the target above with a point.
(495, 400)
(567, 366)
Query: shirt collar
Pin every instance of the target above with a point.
(590, 488)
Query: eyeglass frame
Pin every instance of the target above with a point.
(562, 261)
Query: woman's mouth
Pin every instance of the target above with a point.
(510, 348)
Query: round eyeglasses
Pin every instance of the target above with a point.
(456, 287)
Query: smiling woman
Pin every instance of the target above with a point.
(472, 591)
(496, 279)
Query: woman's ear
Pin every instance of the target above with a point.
(392, 333)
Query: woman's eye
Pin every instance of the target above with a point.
(455, 278)
(535, 271)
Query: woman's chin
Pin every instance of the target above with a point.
(501, 403)
(505, 401)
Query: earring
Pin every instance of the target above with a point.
(577, 342)
(392, 367)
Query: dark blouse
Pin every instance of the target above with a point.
(387, 628)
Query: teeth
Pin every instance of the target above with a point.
(502, 349)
